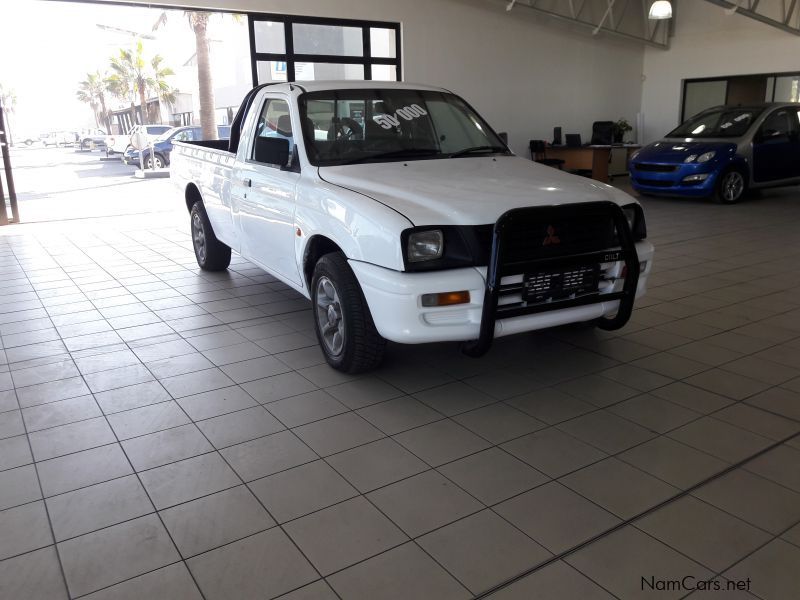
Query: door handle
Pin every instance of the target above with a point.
(247, 182)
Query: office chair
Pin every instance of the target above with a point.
(602, 133)
(538, 149)
(574, 140)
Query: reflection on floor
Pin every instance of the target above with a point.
(167, 433)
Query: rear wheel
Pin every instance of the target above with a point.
(731, 186)
(344, 326)
(211, 254)
(157, 162)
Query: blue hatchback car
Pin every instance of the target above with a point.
(722, 152)
(162, 145)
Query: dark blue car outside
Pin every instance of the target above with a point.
(723, 152)
(162, 146)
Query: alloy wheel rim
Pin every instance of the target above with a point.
(732, 186)
(330, 318)
(199, 237)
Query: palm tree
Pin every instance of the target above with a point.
(134, 73)
(198, 21)
(92, 91)
(8, 100)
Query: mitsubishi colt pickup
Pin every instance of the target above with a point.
(401, 214)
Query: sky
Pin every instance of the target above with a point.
(48, 47)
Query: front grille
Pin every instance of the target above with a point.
(655, 182)
(655, 168)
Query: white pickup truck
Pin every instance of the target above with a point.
(403, 216)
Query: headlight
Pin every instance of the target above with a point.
(425, 245)
(690, 158)
(630, 215)
(634, 155)
(706, 157)
(634, 215)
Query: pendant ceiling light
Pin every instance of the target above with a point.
(660, 9)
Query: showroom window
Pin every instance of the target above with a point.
(289, 48)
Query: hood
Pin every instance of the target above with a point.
(676, 150)
(469, 190)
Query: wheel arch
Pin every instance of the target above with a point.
(317, 246)
(193, 196)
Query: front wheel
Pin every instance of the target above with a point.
(342, 320)
(731, 186)
(156, 162)
(211, 254)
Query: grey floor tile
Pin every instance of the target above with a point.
(253, 369)
(424, 502)
(179, 365)
(318, 590)
(133, 396)
(58, 413)
(781, 465)
(493, 475)
(720, 439)
(33, 575)
(235, 353)
(338, 433)
(24, 528)
(14, 452)
(401, 573)
(454, 398)
(278, 387)
(52, 391)
(754, 499)
(173, 583)
(725, 383)
(111, 555)
(103, 362)
(441, 442)
(301, 490)
(237, 570)
(188, 479)
(399, 414)
(702, 532)
(556, 517)
(74, 437)
(170, 445)
(241, 426)
(103, 381)
(758, 421)
(216, 402)
(147, 419)
(18, 486)
(376, 464)
(97, 506)
(778, 400)
(305, 408)
(606, 431)
(73, 471)
(482, 550)
(673, 462)
(268, 455)
(214, 520)
(654, 413)
(550, 405)
(597, 390)
(8, 399)
(556, 580)
(691, 397)
(553, 452)
(196, 383)
(11, 424)
(621, 560)
(343, 534)
(498, 422)
(774, 571)
(619, 488)
(363, 392)
(61, 369)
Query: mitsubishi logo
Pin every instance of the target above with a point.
(551, 238)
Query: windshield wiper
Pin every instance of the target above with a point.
(405, 153)
(478, 149)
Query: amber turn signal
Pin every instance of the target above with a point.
(445, 298)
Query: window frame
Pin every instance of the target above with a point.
(290, 57)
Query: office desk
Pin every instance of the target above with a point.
(591, 158)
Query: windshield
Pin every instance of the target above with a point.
(356, 126)
(167, 134)
(725, 122)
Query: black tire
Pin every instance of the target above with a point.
(360, 347)
(211, 254)
(160, 162)
(731, 186)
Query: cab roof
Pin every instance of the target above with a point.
(321, 86)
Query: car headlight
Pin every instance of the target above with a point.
(630, 215)
(705, 157)
(690, 158)
(425, 245)
(634, 215)
(634, 155)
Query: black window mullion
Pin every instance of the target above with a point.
(251, 27)
(289, 43)
(366, 52)
(397, 46)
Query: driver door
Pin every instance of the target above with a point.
(265, 195)
(776, 147)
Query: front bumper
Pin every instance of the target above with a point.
(394, 299)
(669, 179)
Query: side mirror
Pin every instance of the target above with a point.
(271, 151)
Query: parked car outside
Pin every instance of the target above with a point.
(93, 138)
(162, 145)
(118, 144)
(418, 226)
(723, 152)
(59, 138)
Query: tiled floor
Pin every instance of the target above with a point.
(166, 433)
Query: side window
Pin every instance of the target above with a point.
(183, 136)
(275, 122)
(779, 124)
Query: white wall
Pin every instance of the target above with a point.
(709, 43)
(525, 74)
